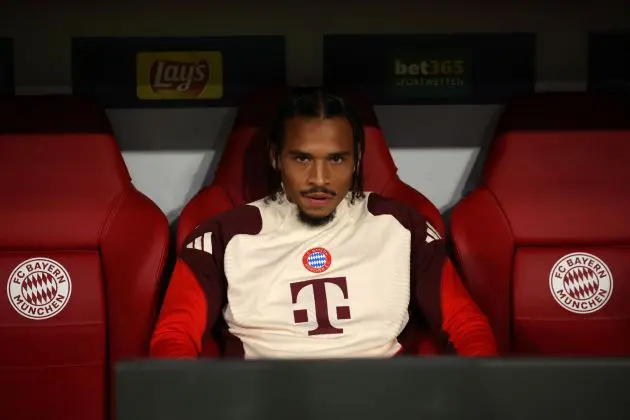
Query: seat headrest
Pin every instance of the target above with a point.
(563, 184)
(565, 111)
(52, 114)
(61, 184)
(243, 169)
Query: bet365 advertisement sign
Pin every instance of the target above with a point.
(609, 62)
(417, 69)
(174, 72)
(6, 65)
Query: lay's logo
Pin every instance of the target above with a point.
(182, 75)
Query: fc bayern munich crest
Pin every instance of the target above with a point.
(317, 260)
(39, 288)
(581, 283)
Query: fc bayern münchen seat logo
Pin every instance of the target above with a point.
(581, 283)
(39, 288)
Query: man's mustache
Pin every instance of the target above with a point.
(319, 190)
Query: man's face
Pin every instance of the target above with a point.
(316, 164)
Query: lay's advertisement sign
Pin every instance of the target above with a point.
(432, 69)
(175, 72)
(7, 84)
(609, 62)
(195, 75)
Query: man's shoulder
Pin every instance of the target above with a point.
(406, 215)
(243, 219)
(378, 205)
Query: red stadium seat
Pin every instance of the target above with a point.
(543, 242)
(241, 175)
(81, 255)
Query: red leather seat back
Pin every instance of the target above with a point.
(81, 252)
(242, 174)
(544, 242)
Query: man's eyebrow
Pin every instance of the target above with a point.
(340, 153)
(298, 153)
(302, 153)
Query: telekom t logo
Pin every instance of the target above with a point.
(321, 304)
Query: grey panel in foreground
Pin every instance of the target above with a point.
(435, 388)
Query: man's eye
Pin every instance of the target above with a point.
(336, 159)
(301, 159)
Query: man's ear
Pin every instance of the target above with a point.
(273, 160)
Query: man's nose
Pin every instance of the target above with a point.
(319, 174)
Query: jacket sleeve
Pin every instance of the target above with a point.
(441, 296)
(193, 300)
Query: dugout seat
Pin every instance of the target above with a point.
(242, 174)
(81, 256)
(543, 242)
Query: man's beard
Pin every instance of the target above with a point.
(315, 221)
